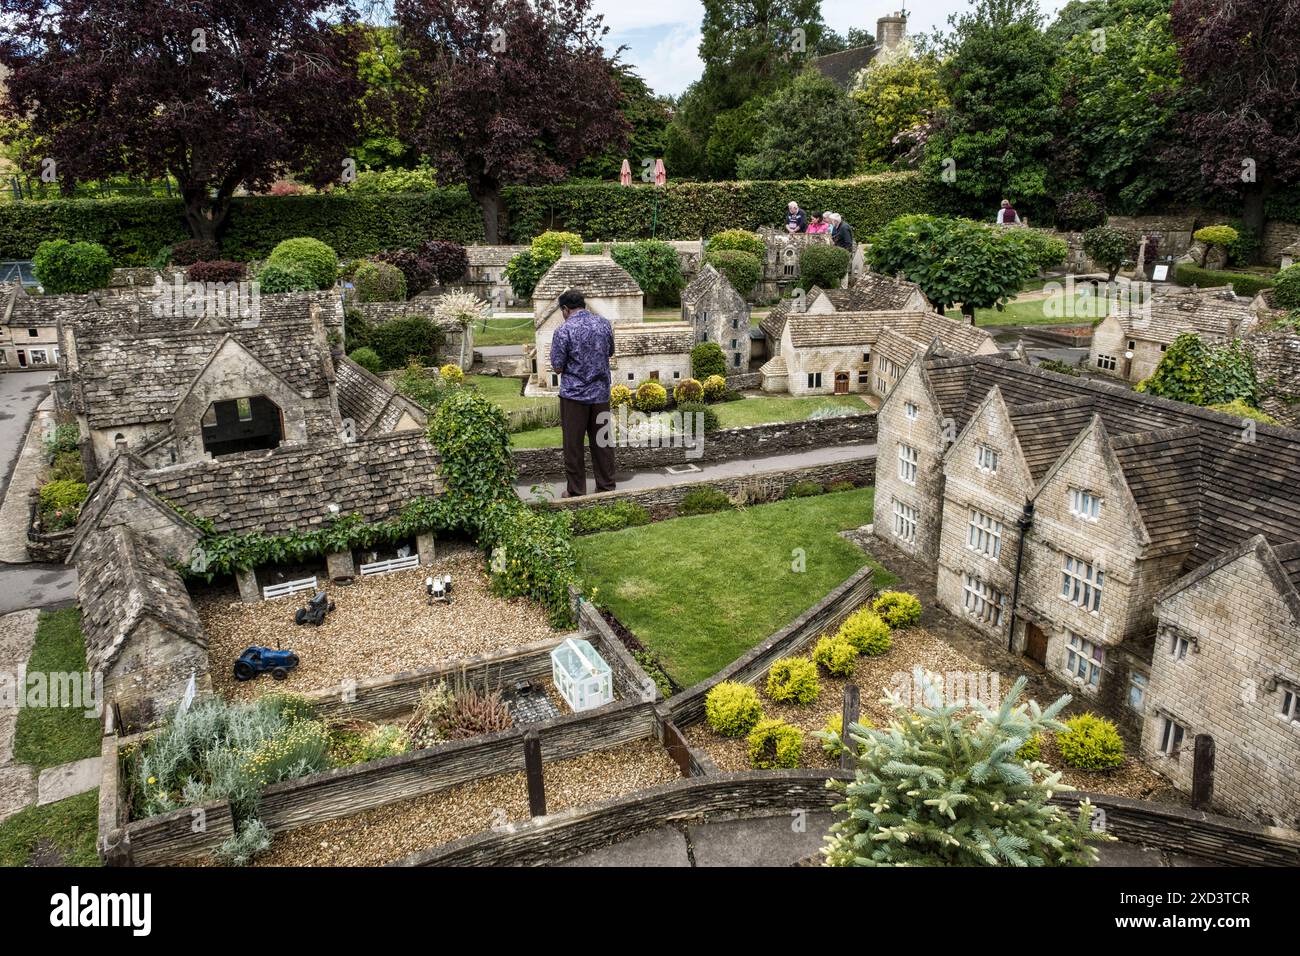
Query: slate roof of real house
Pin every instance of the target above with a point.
(121, 581)
(593, 276)
(1212, 313)
(654, 338)
(843, 67)
(291, 488)
(1202, 483)
(369, 401)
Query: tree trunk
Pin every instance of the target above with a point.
(487, 193)
(1252, 214)
(204, 216)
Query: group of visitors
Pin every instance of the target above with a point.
(819, 223)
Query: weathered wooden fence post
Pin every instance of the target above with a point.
(1203, 772)
(533, 771)
(848, 716)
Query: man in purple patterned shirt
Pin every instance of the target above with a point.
(580, 354)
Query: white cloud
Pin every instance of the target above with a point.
(673, 61)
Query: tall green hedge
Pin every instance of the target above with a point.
(357, 224)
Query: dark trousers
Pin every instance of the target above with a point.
(578, 419)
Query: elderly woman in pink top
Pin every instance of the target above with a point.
(817, 225)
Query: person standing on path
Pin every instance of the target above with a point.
(580, 354)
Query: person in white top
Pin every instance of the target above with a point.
(1007, 215)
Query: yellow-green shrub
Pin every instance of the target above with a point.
(620, 395)
(715, 386)
(452, 373)
(732, 709)
(898, 609)
(835, 654)
(793, 680)
(1031, 749)
(832, 734)
(868, 632)
(774, 744)
(1090, 743)
(651, 397)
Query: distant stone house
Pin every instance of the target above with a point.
(1081, 524)
(1130, 346)
(781, 260)
(843, 67)
(29, 325)
(652, 352)
(718, 313)
(486, 274)
(868, 292)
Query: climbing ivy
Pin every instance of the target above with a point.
(1193, 371)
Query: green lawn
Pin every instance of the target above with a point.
(699, 592)
(502, 331)
(57, 834)
(1045, 312)
(506, 392)
(49, 736)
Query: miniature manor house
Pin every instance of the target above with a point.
(1145, 551)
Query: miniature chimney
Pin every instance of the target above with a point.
(565, 253)
(891, 30)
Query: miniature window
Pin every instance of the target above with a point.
(1291, 704)
(735, 323)
(631, 376)
(1137, 690)
(986, 458)
(1081, 583)
(814, 379)
(1131, 345)
(1171, 737)
(985, 534)
(677, 374)
(1178, 647)
(244, 407)
(911, 410)
(733, 343)
(864, 378)
(1085, 504)
(1083, 659)
(907, 464)
(983, 602)
(904, 522)
(210, 417)
(37, 356)
(32, 333)
(735, 361)
(555, 380)
(866, 356)
(1106, 362)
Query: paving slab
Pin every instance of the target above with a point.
(1128, 854)
(762, 841)
(36, 585)
(67, 780)
(663, 847)
(28, 469)
(17, 789)
(17, 638)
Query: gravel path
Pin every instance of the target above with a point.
(388, 833)
(381, 625)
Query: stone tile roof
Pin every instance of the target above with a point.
(865, 328)
(593, 276)
(773, 324)
(369, 401)
(705, 280)
(1211, 313)
(1163, 471)
(479, 255)
(21, 309)
(654, 338)
(873, 292)
(1288, 555)
(292, 488)
(843, 67)
(120, 581)
(1249, 475)
(127, 379)
(775, 366)
(1045, 429)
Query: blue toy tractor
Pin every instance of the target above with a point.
(258, 660)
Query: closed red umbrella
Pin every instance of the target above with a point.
(625, 174)
(661, 175)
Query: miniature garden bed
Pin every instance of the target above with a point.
(381, 625)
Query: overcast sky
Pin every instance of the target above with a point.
(663, 36)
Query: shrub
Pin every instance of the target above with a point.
(63, 438)
(711, 422)
(1237, 408)
(832, 734)
(250, 838)
(60, 503)
(311, 256)
(524, 271)
(805, 489)
(688, 390)
(1059, 367)
(1031, 749)
(1216, 235)
(217, 270)
(452, 373)
(620, 395)
(868, 632)
(373, 743)
(417, 272)
(1246, 284)
(822, 265)
(284, 278)
(476, 712)
(732, 709)
(1044, 251)
(703, 501)
(447, 260)
(189, 251)
(1203, 373)
(379, 282)
(741, 269)
(837, 486)
(715, 385)
(651, 397)
(1090, 742)
(615, 517)
(1286, 288)
(837, 655)
(1080, 210)
(549, 246)
(739, 240)
(1108, 247)
(368, 359)
(399, 340)
(793, 680)
(655, 267)
(71, 267)
(773, 745)
(707, 361)
(898, 609)
(67, 466)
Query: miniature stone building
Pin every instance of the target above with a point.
(1081, 524)
(718, 313)
(1129, 345)
(868, 292)
(652, 352)
(29, 325)
(486, 275)
(781, 262)
(1289, 255)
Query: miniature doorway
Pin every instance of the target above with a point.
(841, 383)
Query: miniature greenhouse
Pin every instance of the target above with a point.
(581, 675)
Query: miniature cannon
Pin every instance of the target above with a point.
(315, 611)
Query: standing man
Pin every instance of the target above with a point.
(841, 232)
(580, 354)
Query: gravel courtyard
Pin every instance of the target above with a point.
(381, 625)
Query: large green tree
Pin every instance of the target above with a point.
(808, 130)
(897, 93)
(996, 138)
(647, 115)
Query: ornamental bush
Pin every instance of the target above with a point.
(217, 270)
(868, 632)
(1247, 284)
(549, 246)
(651, 397)
(741, 269)
(62, 438)
(1108, 248)
(311, 256)
(67, 466)
(60, 503)
(822, 265)
(707, 361)
(448, 261)
(376, 281)
(71, 267)
(688, 390)
(738, 240)
(1045, 251)
(898, 609)
(1216, 235)
(399, 340)
(715, 385)
(703, 501)
(793, 680)
(805, 489)
(655, 267)
(1090, 742)
(417, 271)
(1203, 373)
(620, 395)
(1031, 749)
(1239, 409)
(832, 734)
(1080, 210)
(774, 745)
(615, 517)
(837, 655)
(452, 373)
(285, 278)
(190, 251)
(711, 421)
(1286, 288)
(524, 271)
(732, 709)
(368, 359)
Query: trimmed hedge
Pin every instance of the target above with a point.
(360, 224)
(1243, 283)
